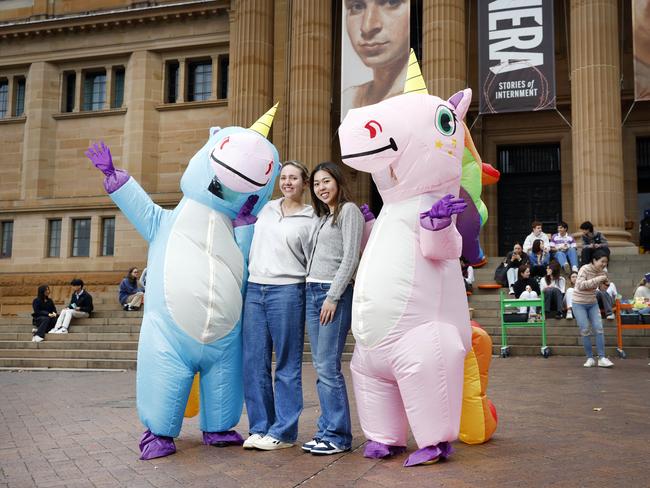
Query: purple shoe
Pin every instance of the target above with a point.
(154, 446)
(377, 450)
(429, 454)
(222, 439)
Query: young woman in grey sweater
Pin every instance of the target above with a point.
(336, 241)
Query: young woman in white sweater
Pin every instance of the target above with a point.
(274, 314)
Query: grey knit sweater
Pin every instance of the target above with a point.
(335, 254)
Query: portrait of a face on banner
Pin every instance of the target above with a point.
(374, 51)
(641, 29)
(516, 56)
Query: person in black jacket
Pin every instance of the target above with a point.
(526, 287)
(44, 315)
(81, 304)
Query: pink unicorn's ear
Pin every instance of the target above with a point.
(214, 130)
(460, 101)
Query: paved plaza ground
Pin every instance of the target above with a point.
(560, 425)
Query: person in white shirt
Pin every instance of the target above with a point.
(643, 290)
(274, 314)
(553, 285)
(534, 235)
(568, 296)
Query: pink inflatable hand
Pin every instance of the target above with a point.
(367, 213)
(245, 216)
(101, 158)
(439, 215)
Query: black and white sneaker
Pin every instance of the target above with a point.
(324, 448)
(308, 446)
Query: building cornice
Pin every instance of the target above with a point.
(130, 17)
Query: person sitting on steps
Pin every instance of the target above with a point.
(44, 316)
(131, 293)
(81, 304)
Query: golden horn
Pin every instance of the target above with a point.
(263, 124)
(414, 81)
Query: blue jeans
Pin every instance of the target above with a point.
(587, 316)
(274, 317)
(571, 254)
(327, 343)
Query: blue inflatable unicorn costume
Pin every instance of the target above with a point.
(196, 270)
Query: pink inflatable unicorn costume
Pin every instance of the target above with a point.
(409, 316)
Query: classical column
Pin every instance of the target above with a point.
(311, 82)
(39, 141)
(251, 61)
(596, 115)
(143, 92)
(444, 63)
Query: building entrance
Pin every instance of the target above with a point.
(529, 189)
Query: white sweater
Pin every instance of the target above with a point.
(281, 245)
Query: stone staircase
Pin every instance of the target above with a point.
(109, 338)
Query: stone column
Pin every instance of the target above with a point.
(143, 92)
(444, 53)
(39, 142)
(251, 61)
(310, 82)
(596, 116)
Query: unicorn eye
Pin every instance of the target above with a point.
(445, 121)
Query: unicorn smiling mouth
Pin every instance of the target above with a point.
(392, 145)
(233, 170)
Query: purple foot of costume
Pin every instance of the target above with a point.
(154, 446)
(222, 439)
(377, 450)
(429, 454)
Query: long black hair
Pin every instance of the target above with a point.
(343, 193)
(41, 293)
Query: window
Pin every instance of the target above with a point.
(4, 97)
(222, 88)
(94, 90)
(199, 81)
(7, 238)
(108, 236)
(54, 238)
(70, 82)
(80, 237)
(118, 88)
(171, 91)
(19, 97)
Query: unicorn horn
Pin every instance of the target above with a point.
(263, 124)
(414, 82)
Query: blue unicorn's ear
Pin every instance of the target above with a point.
(214, 130)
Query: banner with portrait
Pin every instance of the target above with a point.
(641, 33)
(516, 55)
(374, 51)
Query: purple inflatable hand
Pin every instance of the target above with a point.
(439, 215)
(100, 156)
(367, 213)
(244, 217)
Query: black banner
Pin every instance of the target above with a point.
(516, 55)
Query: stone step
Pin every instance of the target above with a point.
(48, 353)
(72, 336)
(27, 321)
(36, 362)
(81, 328)
(49, 344)
(516, 350)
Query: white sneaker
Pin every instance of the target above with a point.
(250, 442)
(611, 316)
(308, 446)
(604, 363)
(591, 362)
(569, 315)
(37, 338)
(269, 443)
(34, 330)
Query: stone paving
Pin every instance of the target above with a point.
(561, 425)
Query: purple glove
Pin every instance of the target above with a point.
(244, 216)
(439, 216)
(367, 213)
(100, 156)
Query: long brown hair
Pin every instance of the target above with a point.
(343, 193)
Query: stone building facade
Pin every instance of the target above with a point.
(151, 77)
